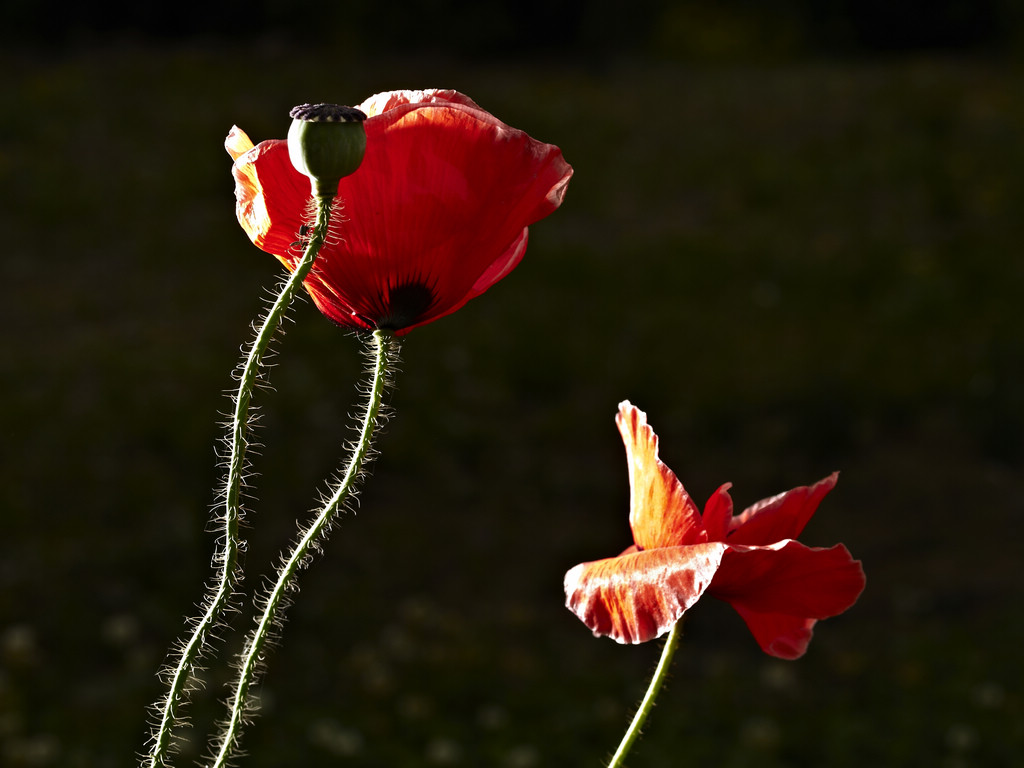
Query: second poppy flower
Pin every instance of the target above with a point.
(752, 560)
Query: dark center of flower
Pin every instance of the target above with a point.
(327, 113)
(405, 305)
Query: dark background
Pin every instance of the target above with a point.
(793, 238)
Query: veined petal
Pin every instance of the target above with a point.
(789, 578)
(661, 512)
(639, 596)
(780, 517)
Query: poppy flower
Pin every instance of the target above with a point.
(751, 560)
(435, 215)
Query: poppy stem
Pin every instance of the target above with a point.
(180, 677)
(657, 680)
(385, 350)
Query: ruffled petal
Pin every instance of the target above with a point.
(787, 579)
(661, 512)
(639, 596)
(780, 517)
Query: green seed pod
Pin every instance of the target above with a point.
(326, 142)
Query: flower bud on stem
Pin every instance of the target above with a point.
(326, 142)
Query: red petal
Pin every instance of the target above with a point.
(637, 597)
(661, 512)
(787, 579)
(780, 517)
(718, 513)
(778, 634)
(502, 265)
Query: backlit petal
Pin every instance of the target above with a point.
(661, 512)
(237, 142)
(780, 517)
(272, 199)
(639, 596)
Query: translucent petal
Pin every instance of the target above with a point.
(661, 512)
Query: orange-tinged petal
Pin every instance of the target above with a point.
(661, 512)
(639, 596)
(237, 142)
(780, 517)
(271, 198)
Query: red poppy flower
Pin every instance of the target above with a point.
(435, 215)
(752, 561)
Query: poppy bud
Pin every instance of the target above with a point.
(326, 142)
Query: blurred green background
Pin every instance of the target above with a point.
(793, 238)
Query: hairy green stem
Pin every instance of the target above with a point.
(657, 680)
(385, 350)
(229, 573)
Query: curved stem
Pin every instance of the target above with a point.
(385, 349)
(658, 679)
(229, 574)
